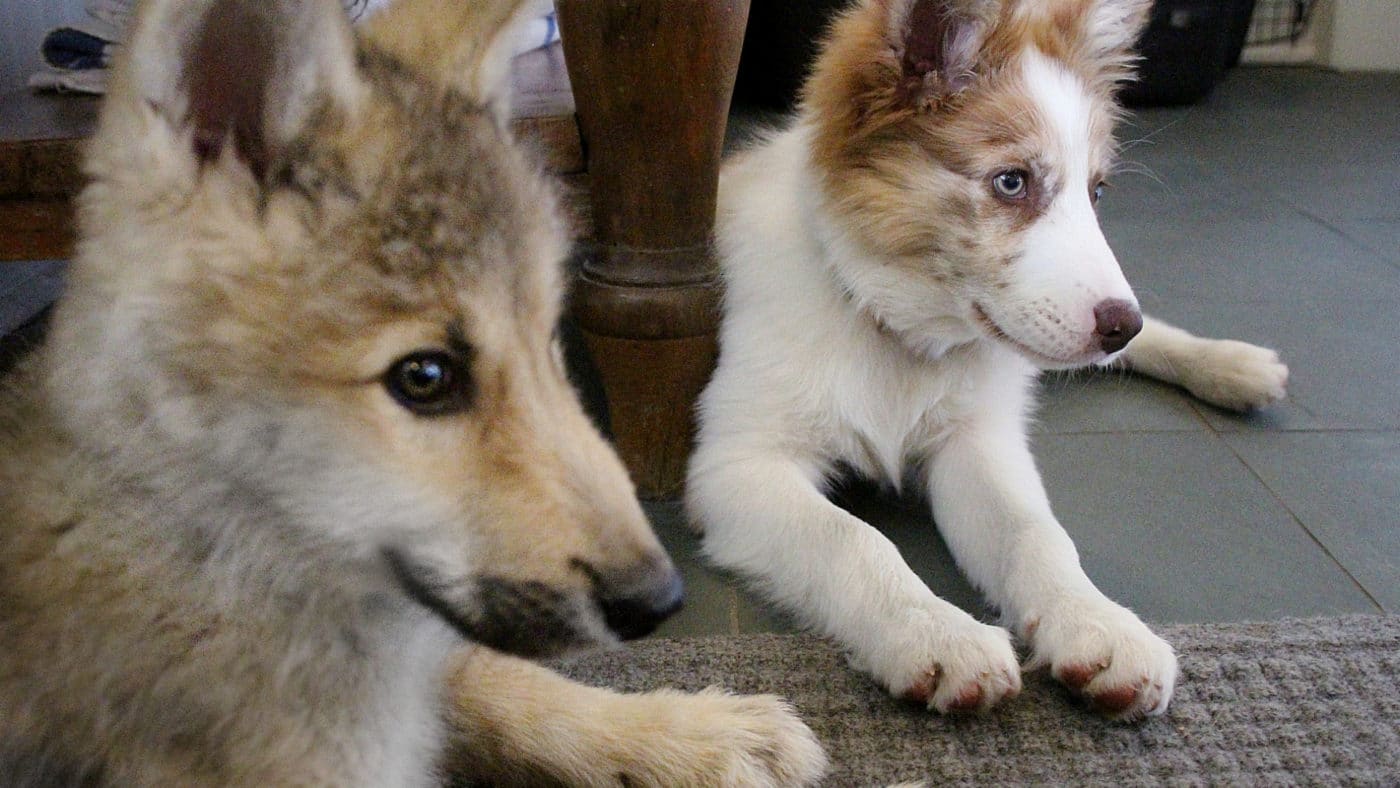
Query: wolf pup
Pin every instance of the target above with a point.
(899, 264)
(302, 432)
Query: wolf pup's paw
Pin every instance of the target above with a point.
(1236, 375)
(717, 738)
(1104, 653)
(947, 665)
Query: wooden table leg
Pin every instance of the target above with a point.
(652, 81)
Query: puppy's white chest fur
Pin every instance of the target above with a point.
(897, 265)
(843, 386)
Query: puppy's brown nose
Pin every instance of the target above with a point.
(1115, 323)
(636, 609)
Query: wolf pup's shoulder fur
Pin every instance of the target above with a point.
(899, 264)
(301, 433)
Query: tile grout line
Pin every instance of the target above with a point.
(1298, 520)
(1328, 224)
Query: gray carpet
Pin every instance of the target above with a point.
(1295, 702)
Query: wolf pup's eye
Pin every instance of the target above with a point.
(1097, 193)
(1012, 184)
(429, 383)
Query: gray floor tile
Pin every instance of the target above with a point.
(1301, 119)
(1381, 236)
(1157, 174)
(715, 601)
(1112, 401)
(1153, 179)
(1343, 358)
(908, 523)
(26, 288)
(1174, 526)
(1274, 255)
(1345, 488)
(1342, 190)
(1315, 140)
(752, 614)
(709, 598)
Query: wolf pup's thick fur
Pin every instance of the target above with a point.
(899, 264)
(302, 426)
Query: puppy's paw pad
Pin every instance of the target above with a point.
(978, 695)
(1116, 701)
(969, 698)
(1077, 676)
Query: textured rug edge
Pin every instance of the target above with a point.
(1295, 700)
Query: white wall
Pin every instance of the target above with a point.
(1359, 35)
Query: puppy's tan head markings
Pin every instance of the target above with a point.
(962, 145)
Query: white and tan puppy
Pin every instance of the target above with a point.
(899, 265)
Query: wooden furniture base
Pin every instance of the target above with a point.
(654, 349)
(40, 147)
(652, 81)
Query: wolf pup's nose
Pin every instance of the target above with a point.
(1115, 323)
(636, 610)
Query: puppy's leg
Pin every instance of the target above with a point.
(992, 509)
(516, 723)
(1224, 372)
(766, 519)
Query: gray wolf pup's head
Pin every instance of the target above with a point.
(315, 268)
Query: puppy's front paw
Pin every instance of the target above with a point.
(948, 663)
(1102, 651)
(1236, 375)
(716, 738)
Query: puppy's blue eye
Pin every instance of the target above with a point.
(1012, 184)
(1098, 191)
(429, 383)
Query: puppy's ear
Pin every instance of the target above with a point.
(939, 44)
(1113, 26)
(237, 76)
(461, 45)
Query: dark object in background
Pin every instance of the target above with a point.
(70, 48)
(1187, 47)
(1241, 14)
(780, 44)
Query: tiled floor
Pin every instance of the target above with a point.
(1268, 213)
(25, 288)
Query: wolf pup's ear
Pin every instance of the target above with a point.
(460, 45)
(239, 76)
(939, 44)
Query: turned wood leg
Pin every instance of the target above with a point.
(652, 81)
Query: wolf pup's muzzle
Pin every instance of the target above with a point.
(533, 619)
(635, 609)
